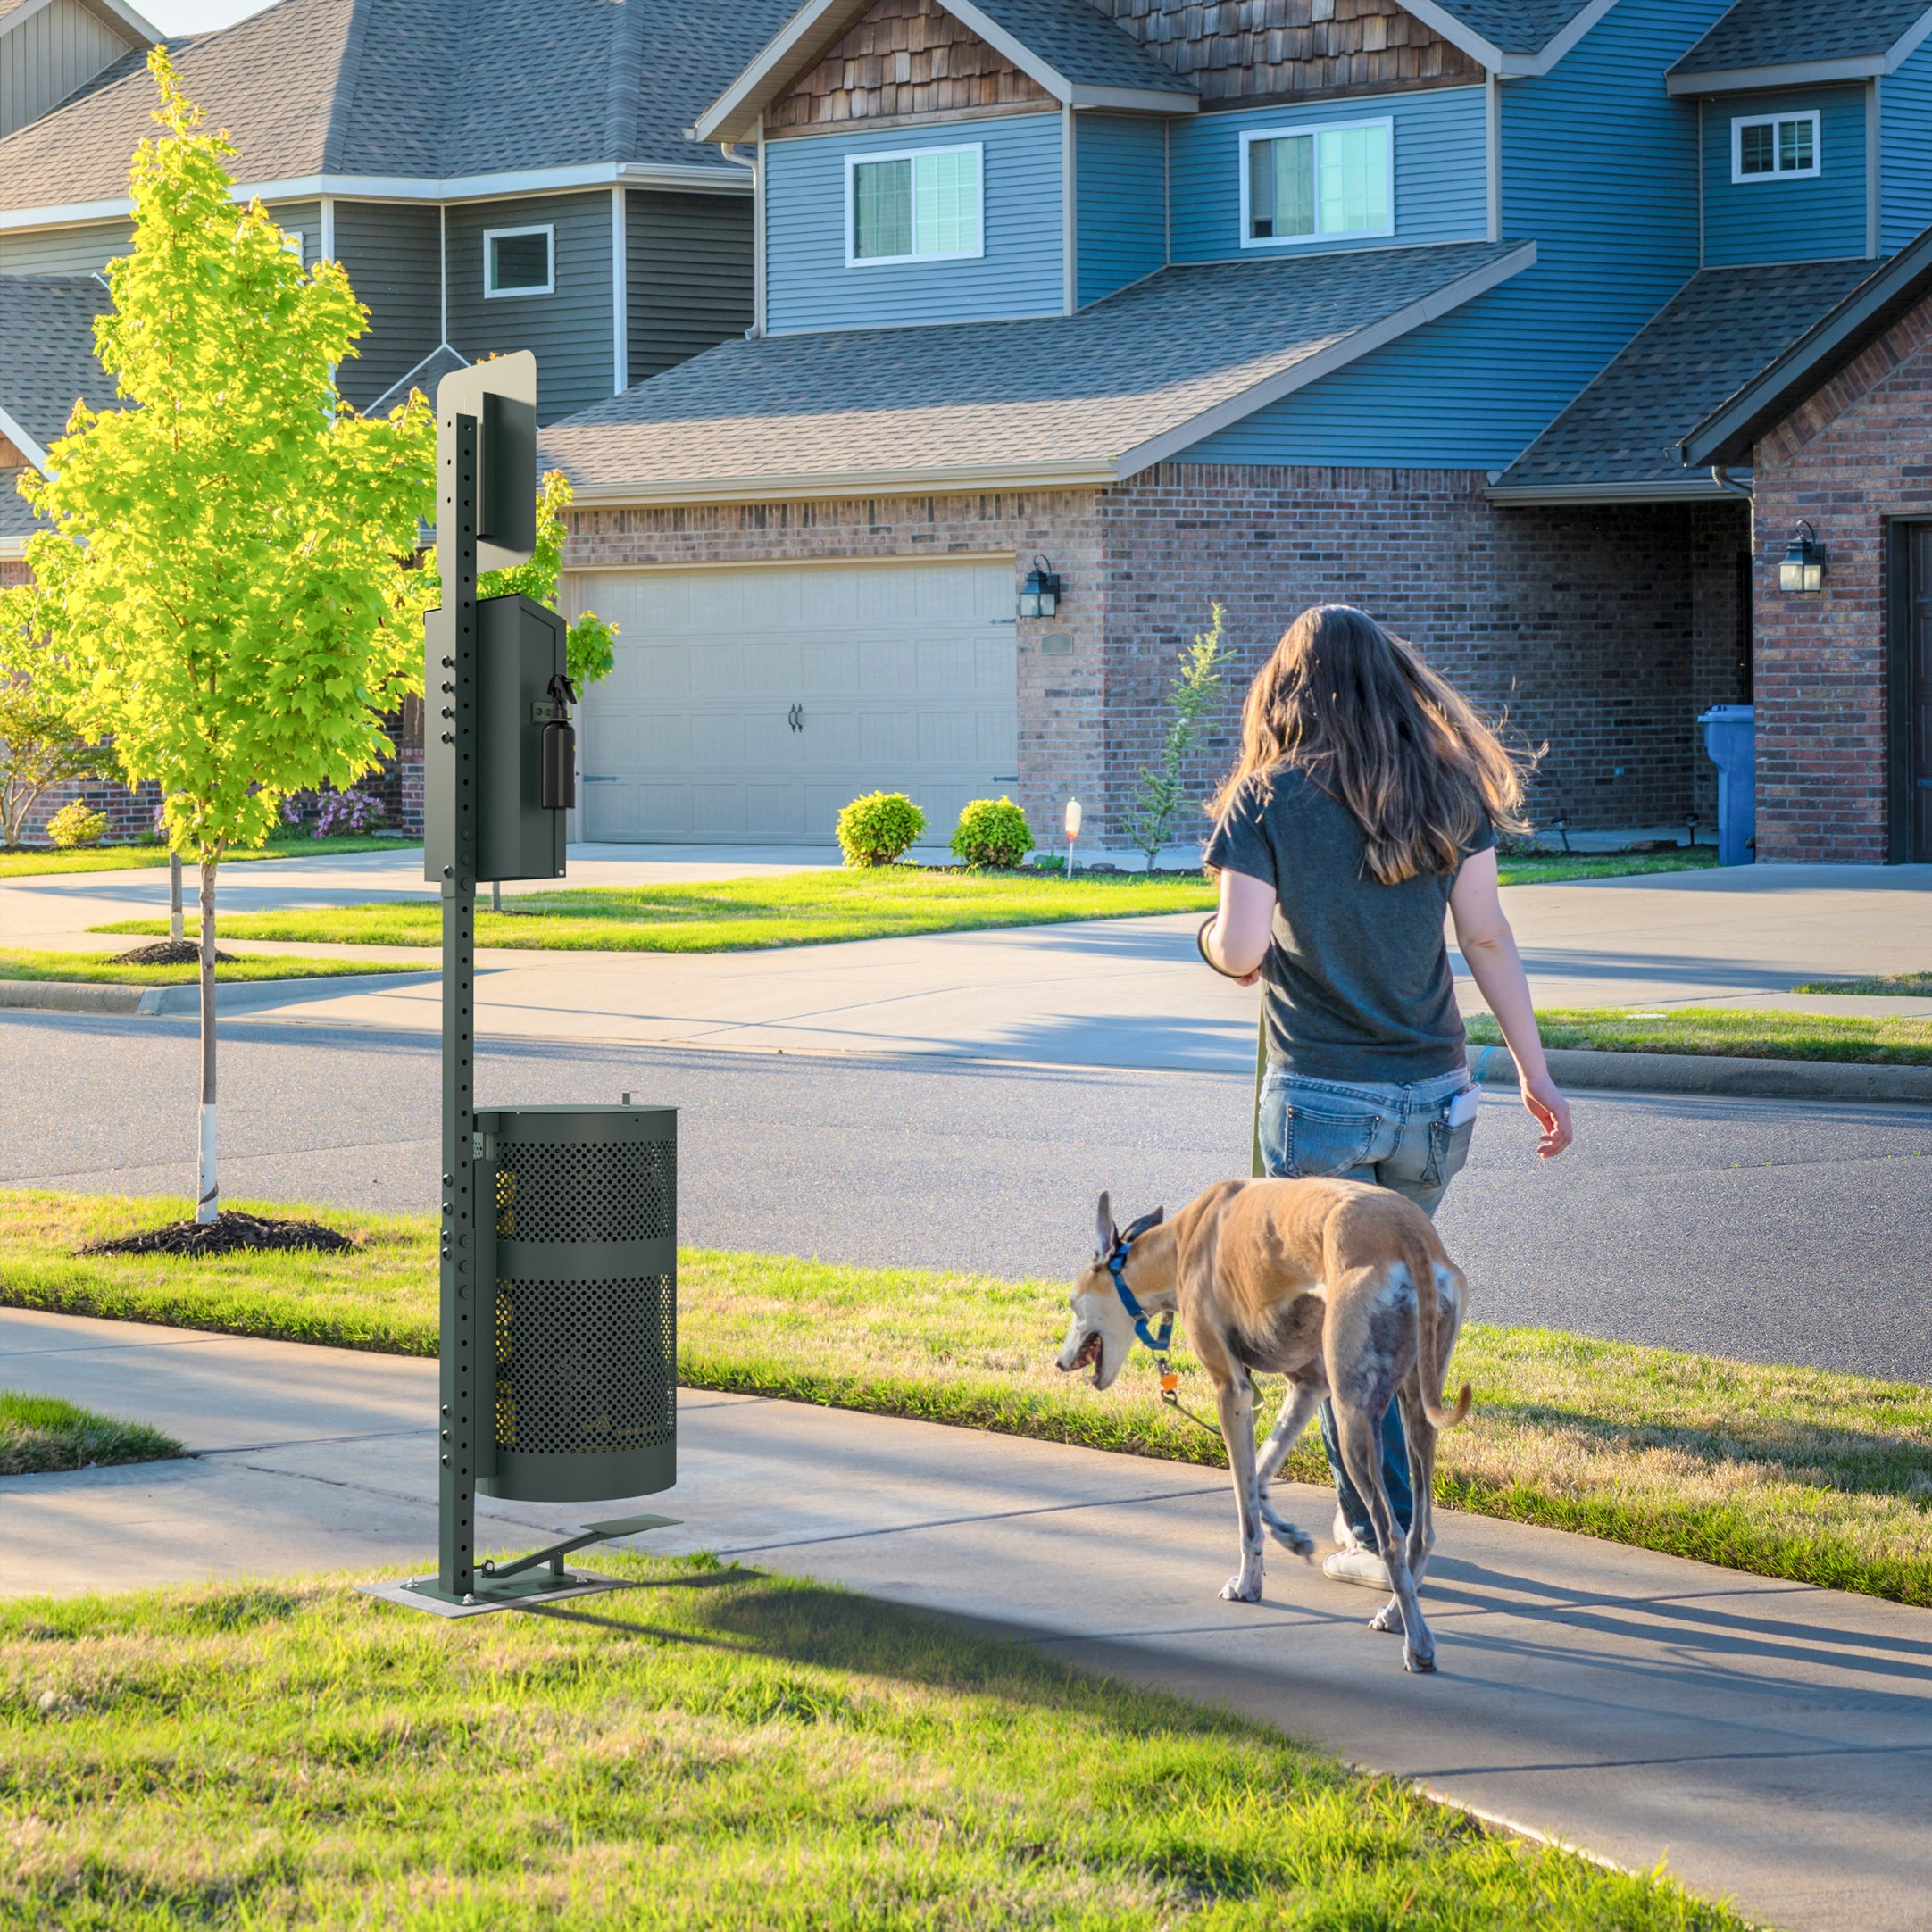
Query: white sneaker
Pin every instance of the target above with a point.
(1356, 1565)
(1342, 1534)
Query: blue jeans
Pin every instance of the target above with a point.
(1390, 1136)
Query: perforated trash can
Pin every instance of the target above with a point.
(1731, 743)
(587, 1302)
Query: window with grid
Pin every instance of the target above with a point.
(916, 207)
(1770, 147)
(1305, 184)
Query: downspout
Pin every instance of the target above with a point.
(327, 252)
(620, 291)
(1493, 149)
(1720, 474)
(1874, 180)
(755, 163)
(1069, 294)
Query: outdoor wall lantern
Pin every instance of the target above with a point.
(1803, 568)
(1039, 596)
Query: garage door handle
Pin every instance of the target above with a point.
(795, 716)
(596, 777)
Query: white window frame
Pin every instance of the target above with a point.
(1318, 240)
(854, 161)
(292, 244)
(548, 231)
(1774, 122)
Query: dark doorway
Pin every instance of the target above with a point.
(1909, 675)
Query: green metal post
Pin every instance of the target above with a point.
(462, 1285)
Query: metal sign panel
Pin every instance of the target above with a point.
(501, 396)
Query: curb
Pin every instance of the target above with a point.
(1714, 1075)
(90, 996)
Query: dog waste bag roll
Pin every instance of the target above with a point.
(586, 1301)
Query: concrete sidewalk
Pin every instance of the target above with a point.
(1773, 1742)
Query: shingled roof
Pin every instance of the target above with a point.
(1516, 26)
(1068, 400)
(1618, 440)
(47, 356)
(1757, 35)
(430, 90)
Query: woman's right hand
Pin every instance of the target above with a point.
(1551, 1114)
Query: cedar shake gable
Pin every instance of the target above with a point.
(1237, 51)
(904, 57)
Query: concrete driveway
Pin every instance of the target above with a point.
(1769, 1741)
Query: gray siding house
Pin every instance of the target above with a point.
(536, 191)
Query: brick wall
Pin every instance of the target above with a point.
(1852, 455)
(1575, 622)
(1720, 632)
(1579, 623)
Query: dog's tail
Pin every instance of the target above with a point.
(1427, 1322)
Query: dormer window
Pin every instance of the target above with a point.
(1774, 147)
(1317, 184)
(922, 207)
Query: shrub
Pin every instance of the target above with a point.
(344, 813)
(878, 828)
(75, 825)
(993, 831)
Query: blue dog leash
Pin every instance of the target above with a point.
(1157, 1342)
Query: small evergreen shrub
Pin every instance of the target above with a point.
(75, 825)
(880, 828)
(993, 832)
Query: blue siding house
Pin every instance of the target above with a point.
(1411, 309)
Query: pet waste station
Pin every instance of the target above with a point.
(558, 1343)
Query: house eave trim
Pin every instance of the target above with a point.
(1698, 488)
(112, 11)
(1133, 100)
(507, 187)
(1762, 79)
(1510, 61)
(22, 442)
(1338, 354)
(809, 484)
(1728, 433)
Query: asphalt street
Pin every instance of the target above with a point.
(1773, 1231)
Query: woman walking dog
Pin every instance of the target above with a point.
(1366, 801)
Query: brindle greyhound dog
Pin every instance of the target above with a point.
(1343, 1288)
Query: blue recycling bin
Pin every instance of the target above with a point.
(1731, 740)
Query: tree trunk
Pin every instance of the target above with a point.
(174, 895)
(209, 1206)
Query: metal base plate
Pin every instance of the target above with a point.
(506, 1593)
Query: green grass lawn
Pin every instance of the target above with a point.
(41, 1433)
(709, 1749)
(1788, 1473)
(1741, 1033)
(812, 908)
(1887, 985)
(1558, 868)
(128, 858)
(97, 969)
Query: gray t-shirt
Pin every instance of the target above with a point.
(1356, 984)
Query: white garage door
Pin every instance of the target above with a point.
(752, 704)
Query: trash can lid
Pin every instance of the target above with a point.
(1730, 714)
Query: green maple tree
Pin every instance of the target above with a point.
(1162, 793)
(228, 575)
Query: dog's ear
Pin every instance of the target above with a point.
(1104, 1231)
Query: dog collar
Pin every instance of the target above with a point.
(1117, 1267)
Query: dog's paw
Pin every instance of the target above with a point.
(1242, 1588)
(1288, 1536)
(1388, 1618)
(1422, 1662)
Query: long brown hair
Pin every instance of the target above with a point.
(1359, 711)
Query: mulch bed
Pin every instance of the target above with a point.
(170, 952)
(229, 1234)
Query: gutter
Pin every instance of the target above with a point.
(505, 187)
(1691, 488)
(763, 486)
